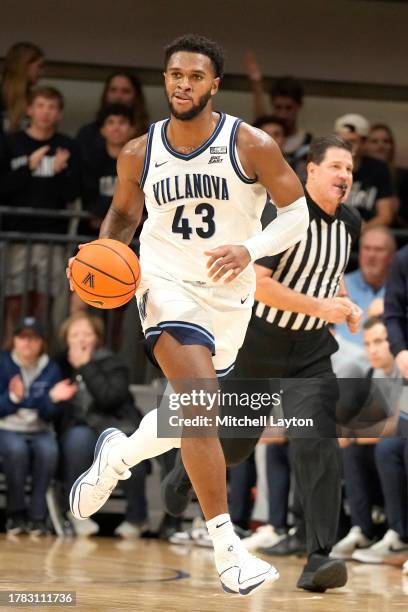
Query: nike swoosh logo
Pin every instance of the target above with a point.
(157, 165)
(245, 299)
(217, 526)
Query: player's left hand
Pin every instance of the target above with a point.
(354, 319)
(228, 260)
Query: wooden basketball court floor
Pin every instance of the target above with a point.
(147, 575)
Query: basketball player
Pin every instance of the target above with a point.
(204, 176)
(288, 339)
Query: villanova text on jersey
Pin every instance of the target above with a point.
(196, 202)
(194, 185)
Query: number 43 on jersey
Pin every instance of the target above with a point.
(181, 225)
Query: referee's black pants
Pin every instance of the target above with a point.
(287, 355)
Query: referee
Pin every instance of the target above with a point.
(287, 338)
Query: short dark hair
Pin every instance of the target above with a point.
(319, 146)
(264, 119)
(51, 93)
(119, 110)
(194, 43)
(289, 87)
(371, 321)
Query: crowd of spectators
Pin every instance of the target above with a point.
(51, 413)
(52, 410)
(46, 170)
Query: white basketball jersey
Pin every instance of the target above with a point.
(196, 202)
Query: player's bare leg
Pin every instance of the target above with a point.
(190, 366)
(183, 365)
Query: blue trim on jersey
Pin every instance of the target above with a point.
(197, 151)
(232, 144)
(147, 155)
(225, 371)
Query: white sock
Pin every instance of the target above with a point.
(143, 444)
(222, 534)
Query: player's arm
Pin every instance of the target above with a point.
(125, 212)
(262, 159)
(274, 294)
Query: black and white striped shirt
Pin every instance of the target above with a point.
(313, 266)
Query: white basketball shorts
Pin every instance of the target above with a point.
(216, 317)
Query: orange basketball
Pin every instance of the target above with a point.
(105, 273)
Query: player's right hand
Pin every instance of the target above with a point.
(68, 272)
(335, 310)
(69, 266)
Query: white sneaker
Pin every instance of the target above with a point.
(355, 539)
(240, 572)
(131, 530)
(390, 545)
(263, 536)
(91, 490)
(405, 568)
(84, 528)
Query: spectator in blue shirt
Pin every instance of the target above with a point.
(30, 389)
(376, 252)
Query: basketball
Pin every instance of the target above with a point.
(105, 273)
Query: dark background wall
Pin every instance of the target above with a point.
(346, 40)
(352, 54)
